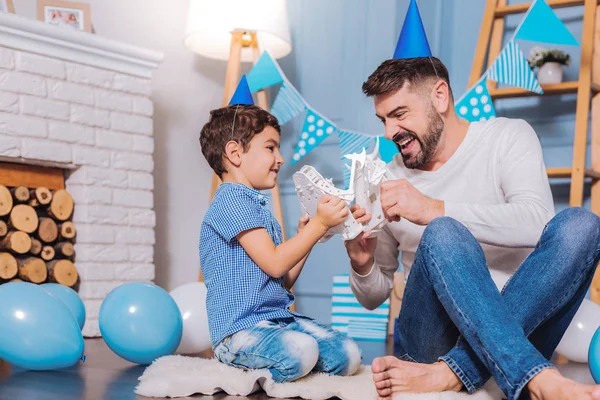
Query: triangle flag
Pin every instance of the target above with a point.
(476, 104)
(264, 74)
(316, 129)
(511, 67)
(412, 42)
(288, 103)
(242, 94)
(541, 24)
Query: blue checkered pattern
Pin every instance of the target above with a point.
(239, 294)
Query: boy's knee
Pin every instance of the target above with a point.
(344, 359)
(302, 356)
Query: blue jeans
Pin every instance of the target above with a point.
(452, 311)
(290, 349)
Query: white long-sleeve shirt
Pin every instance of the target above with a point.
(495, 184)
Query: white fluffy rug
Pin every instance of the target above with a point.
(179, 376)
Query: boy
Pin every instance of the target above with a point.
(247, 269)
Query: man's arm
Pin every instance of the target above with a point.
(524, 181)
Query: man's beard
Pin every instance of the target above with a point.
(427, 144)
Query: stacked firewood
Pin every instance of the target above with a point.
(37, 236)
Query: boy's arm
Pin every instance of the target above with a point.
(294, 273)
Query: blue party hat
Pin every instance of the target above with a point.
(412, 42)
(242, 94)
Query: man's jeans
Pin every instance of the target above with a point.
(452, 310)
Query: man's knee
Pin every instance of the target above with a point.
(575, 231)
(447, 235)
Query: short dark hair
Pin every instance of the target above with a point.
(393, 74)
(249, 121)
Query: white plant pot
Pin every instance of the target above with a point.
(549, 73)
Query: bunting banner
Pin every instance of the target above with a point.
(350, 317)
(265, 73)
(288, 103)
(541, 24)
(511, 67)
(316, 129)
(476, 104)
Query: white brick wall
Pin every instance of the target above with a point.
(99, 123)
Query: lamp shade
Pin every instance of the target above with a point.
(210, 23)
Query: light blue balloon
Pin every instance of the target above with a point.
(140, 322)
(594, 356)
(37, 330)
(70, 298)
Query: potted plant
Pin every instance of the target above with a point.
(549, 63)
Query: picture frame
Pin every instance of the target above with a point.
(65, 14)
(7, 6)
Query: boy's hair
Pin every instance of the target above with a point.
(220, 129)
(393, 74)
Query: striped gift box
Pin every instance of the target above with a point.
(350, 317)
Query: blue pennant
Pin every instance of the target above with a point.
(511, 67)
(264, 74)
(541, 24)
(316, 129)
(476, 104)
(288, 103)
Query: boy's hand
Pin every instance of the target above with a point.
(302, 222)
(331, 211)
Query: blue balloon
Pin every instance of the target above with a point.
(140, 322)
(70, 298)
(37, 330)
(594, 356)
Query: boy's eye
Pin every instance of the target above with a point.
(271, 148)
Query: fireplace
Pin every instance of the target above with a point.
(81, 105)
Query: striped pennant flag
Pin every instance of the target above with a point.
(511, 67)
(288, 104)
(350, 317)
(351, 142)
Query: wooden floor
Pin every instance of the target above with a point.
(105, 376)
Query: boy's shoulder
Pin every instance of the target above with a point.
(227, 200)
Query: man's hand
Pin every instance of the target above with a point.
(400, 199)
(362, 248)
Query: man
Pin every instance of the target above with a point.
(471, 201)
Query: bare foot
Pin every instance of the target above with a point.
(549, 384)
(392, 376)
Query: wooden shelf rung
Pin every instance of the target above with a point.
(565, 172)
(552, 89)
(521, 8)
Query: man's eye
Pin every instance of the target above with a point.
(398, 116)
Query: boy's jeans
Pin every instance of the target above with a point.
(290, 349)
(452, 311)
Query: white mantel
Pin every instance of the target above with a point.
(80, 101)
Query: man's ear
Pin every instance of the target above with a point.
(233, 152)
(440, 94)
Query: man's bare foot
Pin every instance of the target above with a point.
(392, 376)
(549, 384)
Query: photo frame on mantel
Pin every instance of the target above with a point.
(65, 14)
(7, 6)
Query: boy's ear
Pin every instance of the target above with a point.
(233, 152)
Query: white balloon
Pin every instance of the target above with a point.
(191, 300)
(576, 341)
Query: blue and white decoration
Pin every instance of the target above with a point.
(511, 67)
(316, 129)
(350, 317)
(288, 104)
(541, 24)
(476, 104)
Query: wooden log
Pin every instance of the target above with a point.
(36, 247)
(66, 230)
(17, 242)
(48, 253)
(63, 272)
(42, 194)
(48, 231)
(61, 206)
(16, 280)
(64, 249)
(33, 203)
(3, 229)
(20, 194)
(32, 270)
(6, 201)
(8, 266)
(23, 218)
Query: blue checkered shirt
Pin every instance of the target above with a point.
(240, 294)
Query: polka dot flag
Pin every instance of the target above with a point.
(316, 129)
(476, 104)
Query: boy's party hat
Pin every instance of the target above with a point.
(242, 94)
(412, 42)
